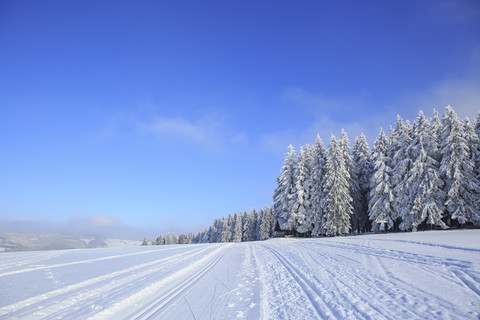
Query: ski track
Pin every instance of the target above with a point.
(335, 278)
(43, 267)
(89, 292)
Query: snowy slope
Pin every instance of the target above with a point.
(14, 241)
(428, 275)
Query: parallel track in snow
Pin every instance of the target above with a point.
(55, 303)
(151, 310)
(312, 293)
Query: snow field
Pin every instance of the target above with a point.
(427, 275)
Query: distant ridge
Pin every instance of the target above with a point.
(14, 241)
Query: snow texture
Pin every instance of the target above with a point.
(423, 275)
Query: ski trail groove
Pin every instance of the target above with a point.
(347, 284)
(88, 290)
(58, 265)
(174, 284)
(157, 305)
(310, 291)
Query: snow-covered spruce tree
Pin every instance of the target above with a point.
(424, 183)
(237, 229)
(258, 224)
(174, 238)
(227, 228)
(462, 187)
(285, 192)
(381, 191)
(213, 232)
(477, 124)
(436, 131)
(245, 226)
(168, 239)
(338, 202)
(190, 237)
(182, 239)
(363, 163)
(266, 224)
(317, 178)
(354, 187)
(473, 141)
(254, 225)
(249, 224)
(301, 201)
(402, 164)
(477, 130)
(310, 212)
(145, 242)
(204, 237)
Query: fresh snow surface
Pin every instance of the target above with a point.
(424, 275)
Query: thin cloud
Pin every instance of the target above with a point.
(173, 127)
(462, 94)
(328, 117)
(210, 130)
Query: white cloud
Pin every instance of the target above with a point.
(462, 94)
(210, 130)
(163, 126)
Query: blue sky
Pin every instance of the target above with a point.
(138, 117)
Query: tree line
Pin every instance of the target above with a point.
(421, 176)
(252, 226)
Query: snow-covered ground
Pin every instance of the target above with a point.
(424, 275)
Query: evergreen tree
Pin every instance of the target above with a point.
(381, 191)
(245, 226)
(190, 238)
(203, 237)
(174, 239)
(363, 164)
(353, 180)
(424, 183)
(473, 141)
(339, 207)
(477, 125)
(182, 239)
(254, 232)
(160, 240)
(402, 164)
(237, 230)
(266, 224)
(145, 242)
(457, 170)
(285, 193)
(301, 202)
(317, 177)
(168, 240)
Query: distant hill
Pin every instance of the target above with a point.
(12, 241)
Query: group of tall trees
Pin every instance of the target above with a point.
(252, 226)
(421, 176)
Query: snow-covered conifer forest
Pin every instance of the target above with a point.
(424, 175)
